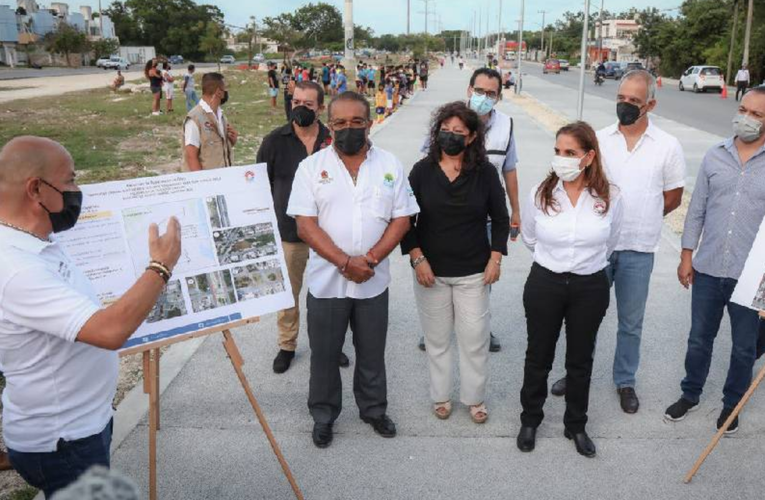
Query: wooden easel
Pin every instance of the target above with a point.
(151, 387)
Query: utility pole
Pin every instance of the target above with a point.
(100, 20)
(348, 21)
(729, 68)
(583, 63)
(480, 26)
(543, 12)
(499, 29)
(408, 14)
(600, 32)
(748, 32)
(519, 80)
(550, 48)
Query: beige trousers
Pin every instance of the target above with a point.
(288, 320)
(459, 305)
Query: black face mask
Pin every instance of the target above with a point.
(350, 141)
(303, 116)
(627, 113)
(224, 99)
(67, 217)
(452, 144)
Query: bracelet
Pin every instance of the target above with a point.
(371, 259)
(416, 262)
(161, 266)
(342, 269)
(165, 277)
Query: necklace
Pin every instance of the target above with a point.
(9, 225)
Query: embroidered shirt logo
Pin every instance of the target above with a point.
(389, 180)
(249, 176)
(325, 177)
(599, 207)
(208, 126)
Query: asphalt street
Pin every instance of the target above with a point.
(211, 445)
(704, 111)
(19, 73)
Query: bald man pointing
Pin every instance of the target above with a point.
(56, 342)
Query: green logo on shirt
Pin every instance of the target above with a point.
(388, 180)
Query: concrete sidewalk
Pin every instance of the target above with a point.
(211, 446)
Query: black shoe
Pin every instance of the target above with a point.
(679, 410)
(628, 399)
(724, 414)
(421, 345)
(584, 445)
(283, 360)
(344, 362)
(526, 439)
(384, 426)
(322, 435)
(559, 387)
(494, 345)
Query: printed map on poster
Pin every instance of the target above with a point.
(750, 290)
(231, 265)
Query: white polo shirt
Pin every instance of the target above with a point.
(191, 134)
(355, 217)
(655, 165)
(56, 387)
(576, 239)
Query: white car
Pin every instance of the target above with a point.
(115, 62)
(229, 59)
(101, 63)
(702, 78)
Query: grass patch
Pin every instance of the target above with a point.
(26, 493)
(6, 89)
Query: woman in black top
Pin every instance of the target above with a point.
(457, 190)
(154, 75)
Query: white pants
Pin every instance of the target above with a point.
(459, 305)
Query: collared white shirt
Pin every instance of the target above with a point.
(56, 387)
(191, 132)
(575, 239)
(742, 75)
(655, 165)
(354, 217)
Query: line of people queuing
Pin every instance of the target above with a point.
(343, 205)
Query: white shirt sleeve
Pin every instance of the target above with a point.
(404, 202)
(191, 134)
(38, 299)
(674, 168)
(617, 215)
(302, 199)
(528, 221)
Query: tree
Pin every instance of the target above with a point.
(320, 24)
(645, 40)
(66, 40)
(104, 47)
(280, 29)
(212, 42)
(362, 36)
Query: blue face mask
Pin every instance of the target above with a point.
(481, 104)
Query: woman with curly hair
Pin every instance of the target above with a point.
(453, 261)
(571, 223)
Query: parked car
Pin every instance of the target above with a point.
(227, 59)
(551, 66)
(629, 66)
(259, 58)
(702, 78)
(175, 60)
(101, 63)
(614, 70)
(563, 64)
(116, 62)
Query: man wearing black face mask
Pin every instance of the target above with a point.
(648, 165)
(352, 204)
(56, 341)
(283, 150)
(207, 136)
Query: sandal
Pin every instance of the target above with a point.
(442, 410)
(479, 413)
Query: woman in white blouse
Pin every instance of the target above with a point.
(571, 223)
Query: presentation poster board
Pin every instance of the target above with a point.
(750, 290)
(231, 266)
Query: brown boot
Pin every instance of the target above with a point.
(5, 464)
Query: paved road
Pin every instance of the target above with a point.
(20, 73)
(211, 446)
(702, 111)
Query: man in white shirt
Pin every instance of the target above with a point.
(56, 342)
(742, 80)
(648, 166)
(207, 137)
(352, 203)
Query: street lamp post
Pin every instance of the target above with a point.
(349, 55)
(519, 82)
(583, 60)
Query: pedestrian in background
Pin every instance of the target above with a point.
(325, 77)
(190, 88)
(273, 84)
(457, 189)
(727, 208)
(381, 102)
(742, 80)
(154, 75)
(169, 87)
(288, 82)
(341, 81)
(118, 82)
(571, 223)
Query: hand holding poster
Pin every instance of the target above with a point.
(231, 265)
(750, 290)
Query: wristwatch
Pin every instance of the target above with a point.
(416, 262)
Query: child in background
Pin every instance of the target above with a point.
(396, 94)
(388, 96)
(381, 100)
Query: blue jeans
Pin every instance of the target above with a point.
(191, 99)
(630, 275)
(710, 298)
(56, 470)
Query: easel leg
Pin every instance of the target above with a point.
(721, 431)
(236, 360)
(155, 360)
(153, 385)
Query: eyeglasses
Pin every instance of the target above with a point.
(343, 124)
(488, 93)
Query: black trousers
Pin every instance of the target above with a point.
(741, 88)
(550, 299)
(328, 321)
(287, 105)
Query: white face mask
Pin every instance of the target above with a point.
(566, 168)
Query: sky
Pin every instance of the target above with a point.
(389, 16)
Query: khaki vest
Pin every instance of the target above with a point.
(214, 150)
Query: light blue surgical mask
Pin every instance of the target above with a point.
(481, 104)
